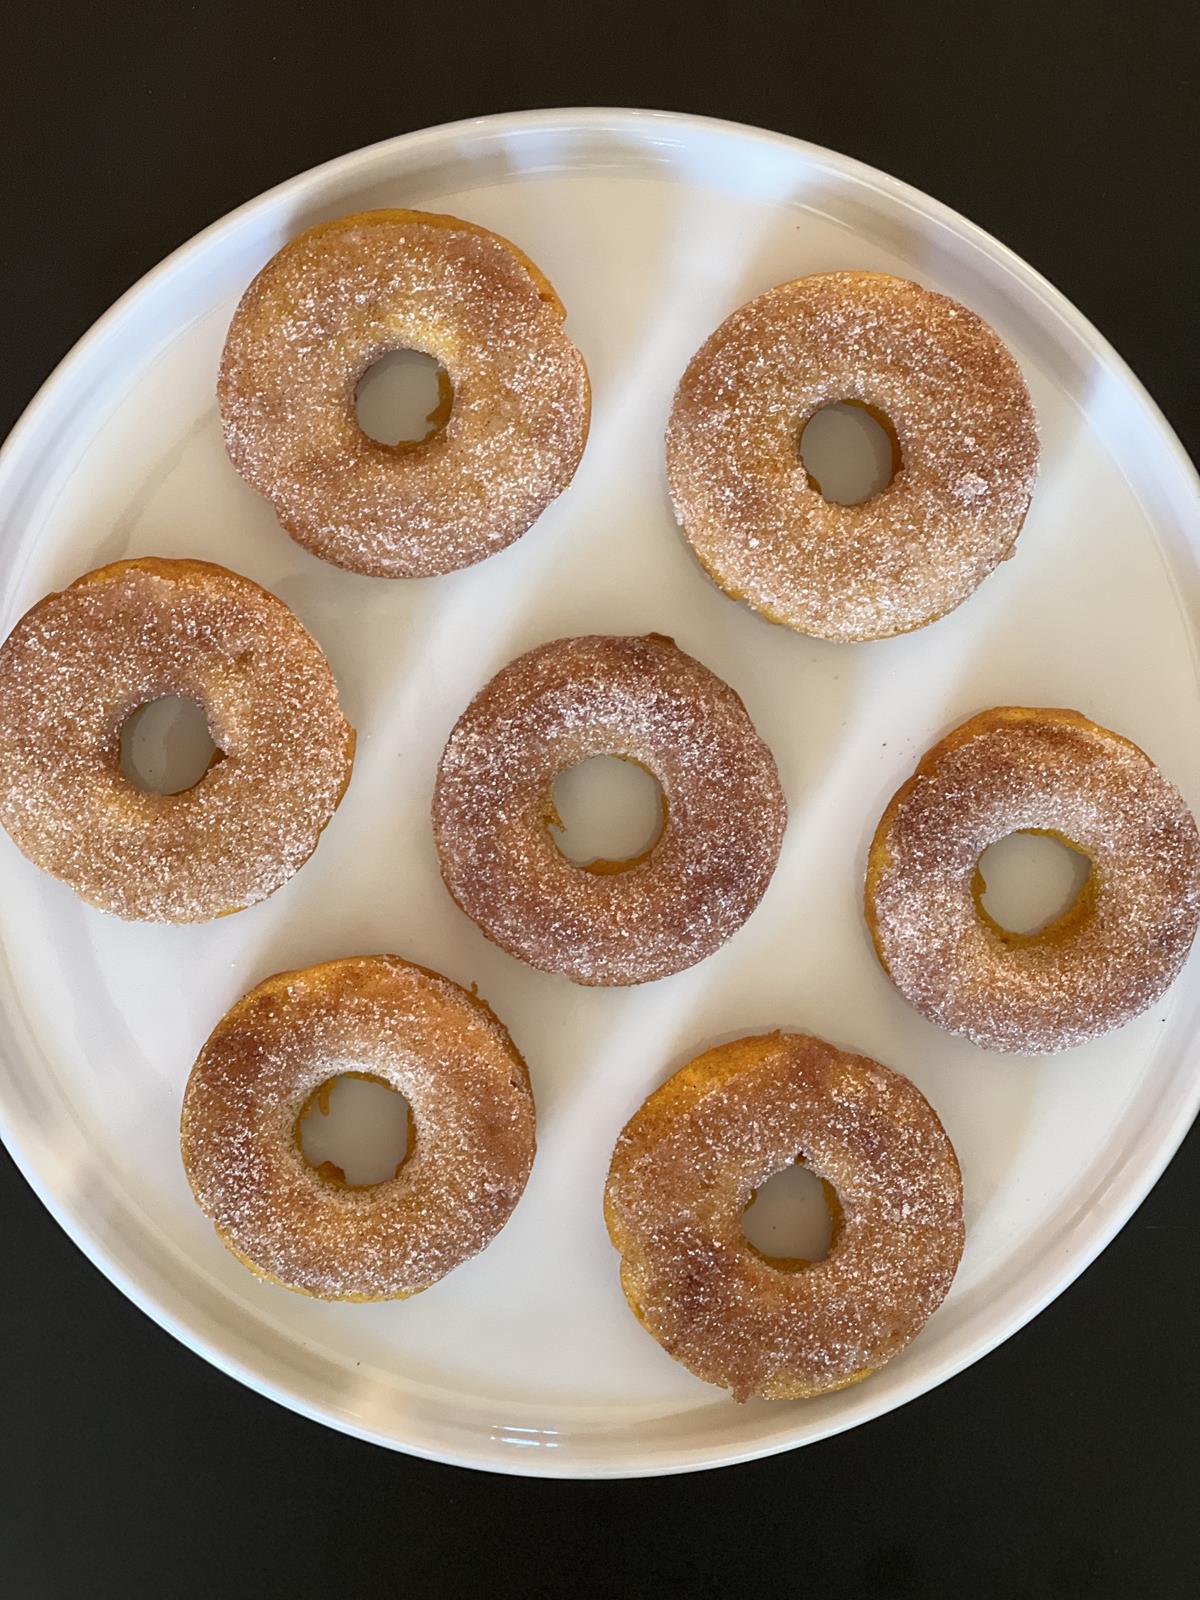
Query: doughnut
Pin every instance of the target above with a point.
(692, 1158)
(964, 440)
(304, 1227)
(514, 418)
(609, 922)
(74, 669)
(1112, 954)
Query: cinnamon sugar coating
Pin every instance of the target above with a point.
(647, 701)
(80, 662)
(687, 1165)
(438, 1046)
(963, 424)
(326, 307)
(1109, 957)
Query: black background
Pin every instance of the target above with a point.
(1063, 1464)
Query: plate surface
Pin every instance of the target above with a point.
(652, 228)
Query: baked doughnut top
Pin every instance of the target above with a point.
(1017, 769)
(329, 305)
(614, 922)
(443, 1049)
(688, 1163)
(81, 661)
(963, 428)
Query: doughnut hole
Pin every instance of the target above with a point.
(356, 1130)
(607, 813)
(1033, 886)
(792, 1220)
(849, 452)
(403, 399)
(167, 745)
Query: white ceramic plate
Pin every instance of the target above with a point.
(652, 228)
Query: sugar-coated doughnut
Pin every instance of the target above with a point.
(688, 1164)
(306, 1228)
(964, 437)
(79, 663)
(1112, 954)
(608, 922)
(326, 307)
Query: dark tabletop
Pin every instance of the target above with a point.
(1064, 1463)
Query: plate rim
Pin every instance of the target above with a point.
(1128, 1189)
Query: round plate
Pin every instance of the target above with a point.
(652, 228)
